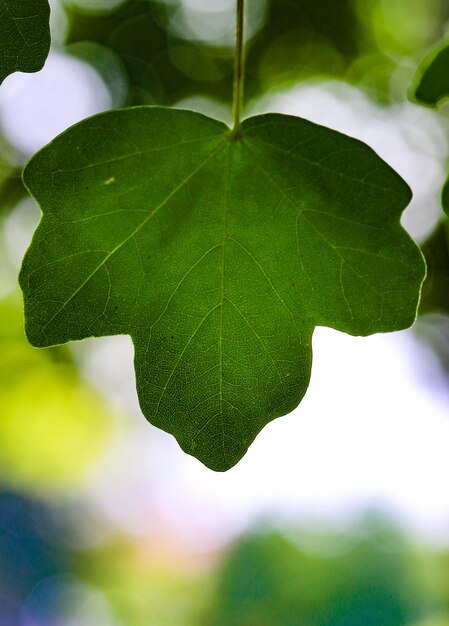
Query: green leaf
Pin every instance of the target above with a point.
(432, 81)
(432, 88)
(445, 197)
(218, 257)
(435, 291)
(24, 36)
(11, 187)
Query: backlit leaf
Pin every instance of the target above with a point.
(432, 83)
(218, 257)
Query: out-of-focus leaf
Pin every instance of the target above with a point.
(12, 189)
(268, 579)
(372, 72)
(52, 424)
(218, 256)
(432, 82)
(445, 197)
(24, 36)
(432, 87)
(435, 291)
(303, 39)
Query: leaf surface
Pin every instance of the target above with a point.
(24, 36)
(218, 257)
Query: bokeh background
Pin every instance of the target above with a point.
(339, 513)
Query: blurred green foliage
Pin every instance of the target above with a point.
(12, 190)
(367, 578)
(147, 581)
(364, 42)
(435, 292)
(433, 78)
(368, 575)
(431, 88)
(53, 425)
(164, 65)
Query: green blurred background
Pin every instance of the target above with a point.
(90, 536)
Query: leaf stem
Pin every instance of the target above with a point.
(239, 68)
